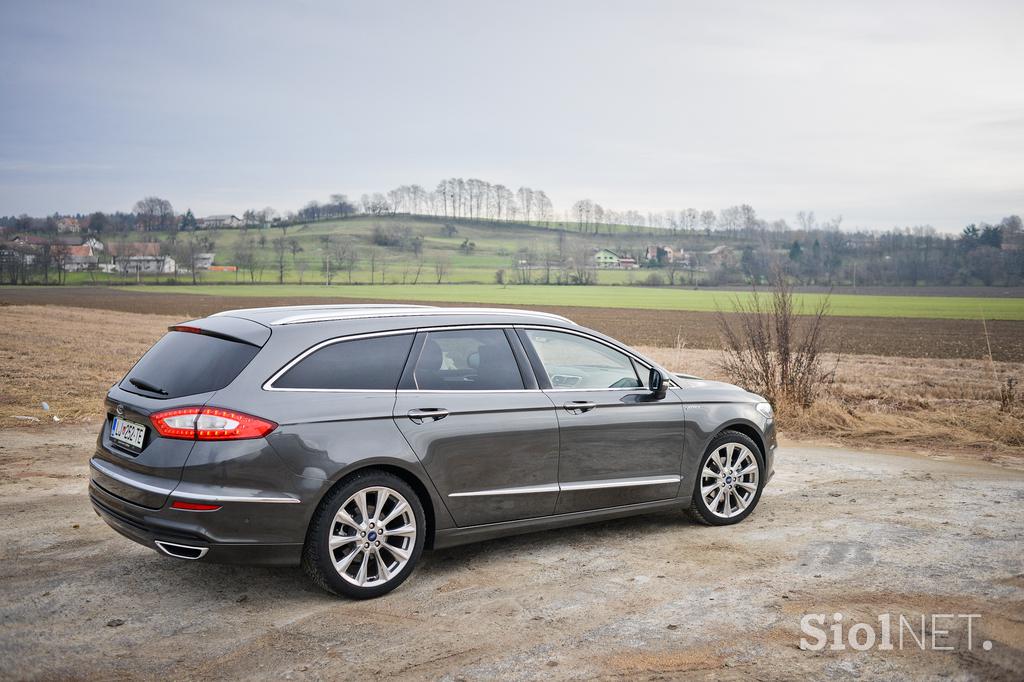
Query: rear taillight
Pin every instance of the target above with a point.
(209, 423)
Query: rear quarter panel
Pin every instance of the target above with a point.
(323, 436)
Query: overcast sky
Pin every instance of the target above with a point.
(896, 113)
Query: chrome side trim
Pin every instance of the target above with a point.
(234, 498)
(268, 385)
(525, 490)
(98, 466)
(573, 487)
(121, 478)
(618, 483)
(442, 391)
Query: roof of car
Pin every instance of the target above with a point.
(308, 314)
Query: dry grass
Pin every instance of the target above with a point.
(895, 402)
(69, 357)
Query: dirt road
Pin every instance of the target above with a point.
(654, 596)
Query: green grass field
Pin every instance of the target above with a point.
(852, 305)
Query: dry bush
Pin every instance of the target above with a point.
(771, 351)
(1008, 395)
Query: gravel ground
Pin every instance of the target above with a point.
(656, 596)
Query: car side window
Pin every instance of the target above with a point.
(361, 364)
(572, 361)
(467, 360)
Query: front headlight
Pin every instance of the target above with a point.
(765, 409)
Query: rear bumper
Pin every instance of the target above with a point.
(168, 531)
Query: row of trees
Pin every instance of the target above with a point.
(471, 199)
(910, 257)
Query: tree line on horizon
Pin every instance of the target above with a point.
(813, 251)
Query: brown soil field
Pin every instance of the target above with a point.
(901, 337)
(69, 357)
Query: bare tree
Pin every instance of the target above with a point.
(441, 266)
(806, 221)
(154, 213)
(244, 256)
(280, 246)
(584, 269)
(198, 244)
(348, 257)
(300, 266)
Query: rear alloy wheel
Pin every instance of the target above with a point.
(366, 536)
(730, 480)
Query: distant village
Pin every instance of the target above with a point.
(70, 250)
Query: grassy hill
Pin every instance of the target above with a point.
(494, 246)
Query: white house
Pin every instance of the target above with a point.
(163, 265)
(204, 261)
(221, 220)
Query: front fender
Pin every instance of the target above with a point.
(705, 421)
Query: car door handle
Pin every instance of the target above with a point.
(579, 406)
(427, 413)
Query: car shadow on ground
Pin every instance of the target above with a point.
(229, 581)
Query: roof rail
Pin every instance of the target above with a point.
(325, 306)
(411, 311)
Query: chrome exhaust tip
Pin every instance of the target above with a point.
(179, 551)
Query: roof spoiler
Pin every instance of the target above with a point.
(228, 328)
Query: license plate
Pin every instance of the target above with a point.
(128, 433)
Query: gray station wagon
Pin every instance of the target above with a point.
(348, 438)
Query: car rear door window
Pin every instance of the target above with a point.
(572, 361)
(185, 363)
(361, 364)
(467, 360)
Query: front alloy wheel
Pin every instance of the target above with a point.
(366, 536)
(729, 484)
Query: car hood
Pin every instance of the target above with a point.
(695, 389)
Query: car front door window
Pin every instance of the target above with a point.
(576, 362)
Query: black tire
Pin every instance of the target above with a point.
(317, 556)
(699, 509)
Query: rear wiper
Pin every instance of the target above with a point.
(146, 386)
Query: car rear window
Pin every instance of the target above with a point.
(184, 363)
(361, 364)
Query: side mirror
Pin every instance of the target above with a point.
(656, 383)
